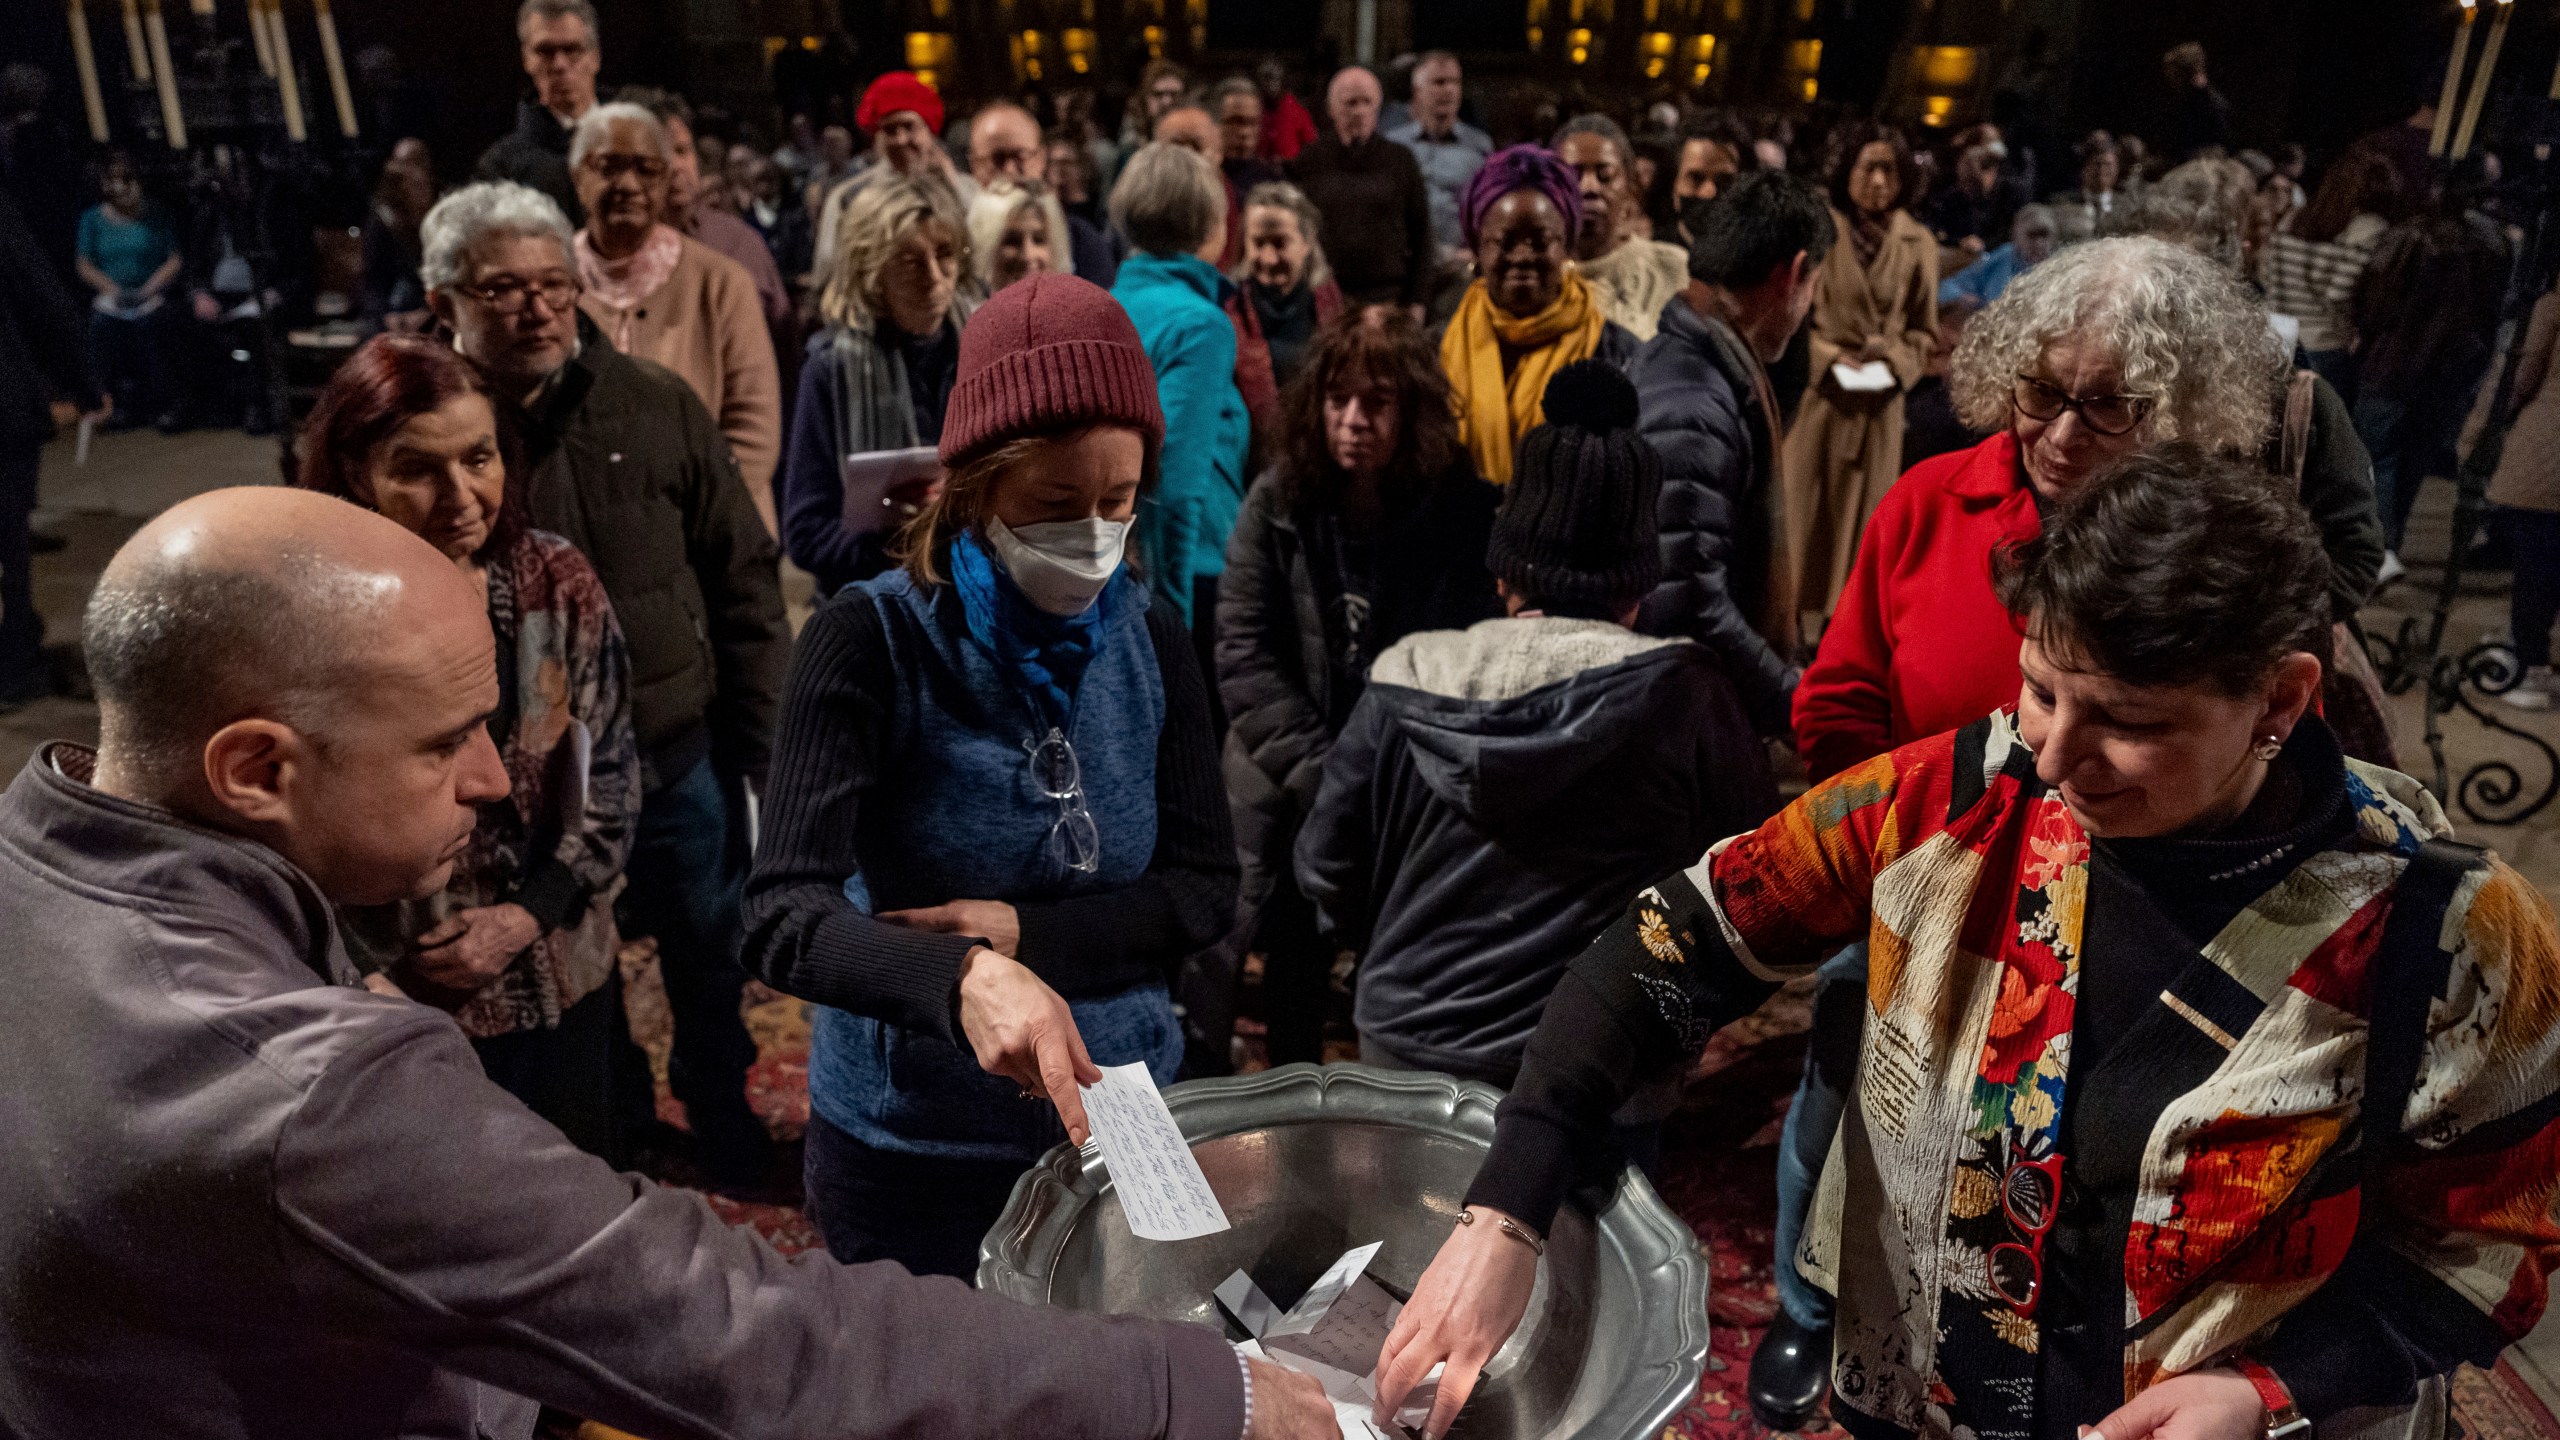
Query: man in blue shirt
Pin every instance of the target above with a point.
(1448, 149)
(2032, 237)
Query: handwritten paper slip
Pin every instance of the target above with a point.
(1160, 1186)
(1872, 378)
(1334, 1333)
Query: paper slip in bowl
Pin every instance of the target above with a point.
(1335, 1334)
(1871, 378)
(1160, 1186)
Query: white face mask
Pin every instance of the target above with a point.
(1062, 565)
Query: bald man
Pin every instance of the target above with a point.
(244, 1196)
(1376, 207)
(1005, 144)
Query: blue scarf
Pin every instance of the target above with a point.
(1046, 653)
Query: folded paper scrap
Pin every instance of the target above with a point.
(1871, 378)
(1160, 1186)
(1333, 1334)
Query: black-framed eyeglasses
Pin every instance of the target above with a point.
(609, 168)
(2107, 414)
(508, 295)
(1073, 840)
(2030, 1194)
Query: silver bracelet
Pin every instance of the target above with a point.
(1508, 1227)
(1244, 1367)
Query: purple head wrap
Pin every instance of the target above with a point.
(1521, 167)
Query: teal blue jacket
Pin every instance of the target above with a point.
(1182, 527)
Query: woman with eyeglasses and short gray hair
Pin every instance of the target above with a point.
(994, 786)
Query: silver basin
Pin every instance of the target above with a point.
(1311, 1161)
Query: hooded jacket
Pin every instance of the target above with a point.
(1498, 793)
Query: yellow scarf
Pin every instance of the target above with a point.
(1491, 414)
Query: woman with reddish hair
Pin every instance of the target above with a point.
(520, 944)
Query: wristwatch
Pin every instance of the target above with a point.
(2284, 1418)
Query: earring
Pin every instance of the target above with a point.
(2269, 748)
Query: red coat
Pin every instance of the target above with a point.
(1919, 644)
(1287, 128)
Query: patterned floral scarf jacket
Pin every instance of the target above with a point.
(1969, 880)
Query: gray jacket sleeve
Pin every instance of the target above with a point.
(431, 1213)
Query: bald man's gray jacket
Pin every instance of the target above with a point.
(242, 1197)
(628, 465)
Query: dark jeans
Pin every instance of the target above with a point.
(2535, 602)
(1830, 1068)
(22, 671)
(926, 1212)
(2408, 440)
(1297, 973)
(135, 363)
(688, 868)
(564, 1075)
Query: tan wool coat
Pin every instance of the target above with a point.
(1845, 449)
(707, 325)
(2528, 474)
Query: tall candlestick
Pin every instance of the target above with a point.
(2452, 80)
(92, 99)
(258, 38)
(163, 75)
(2480, 81)
(337, 69)
(286, 80)
(135, 51)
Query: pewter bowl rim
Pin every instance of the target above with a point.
(1669, 1329)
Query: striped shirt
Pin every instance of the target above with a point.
(2310, 280)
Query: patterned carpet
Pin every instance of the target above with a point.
(1719, 1172)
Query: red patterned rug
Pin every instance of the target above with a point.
(1719, 1172)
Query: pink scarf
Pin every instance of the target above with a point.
(621, 286)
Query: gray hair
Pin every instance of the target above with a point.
(596, 126)
(1607, 129)
(2202, 205)
(1281, 195)
(553, 10)
(465, 217)
(2039, 215)
(1168, 200)
(1233, 85)
(994, 210)
(2180, 327)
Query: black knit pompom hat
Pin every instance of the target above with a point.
(1577, 521)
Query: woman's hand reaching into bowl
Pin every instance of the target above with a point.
(1467, 1303)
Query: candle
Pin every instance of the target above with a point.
(91, 98)
(2480, 81)
(337, 69)
(286, 80)
(258, 38)
(2452, 80)
(162, 75)
(135, 51)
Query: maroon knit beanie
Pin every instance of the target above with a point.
(1050, 352)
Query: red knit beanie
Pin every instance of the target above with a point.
(1050, 352)
(898, 90)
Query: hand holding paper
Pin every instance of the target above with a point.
(1160, 1186)
(1334, 1333)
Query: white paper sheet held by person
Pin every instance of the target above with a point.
(1160, 1186)
(1873, 378)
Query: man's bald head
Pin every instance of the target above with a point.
(1190, 126)
(1351, 102)
(1004, 144)
(290, 667)
(261, 601)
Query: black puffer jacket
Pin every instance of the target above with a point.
(627, 464)
(1498, 794)
(1719, 474)
(1294, 642)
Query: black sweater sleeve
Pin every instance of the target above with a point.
(2337, 488)
(1098, 944)
(802, 936)
(1626, 1012)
